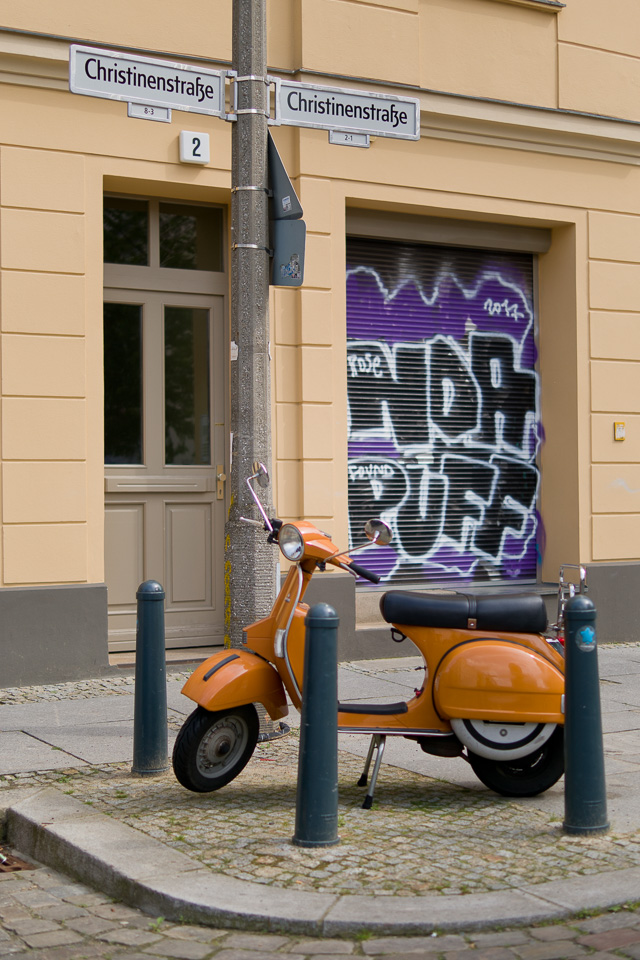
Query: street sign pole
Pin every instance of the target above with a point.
(249, 560)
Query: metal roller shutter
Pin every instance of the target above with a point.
(444, 413)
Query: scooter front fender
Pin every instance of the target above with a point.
(232, 678)
(493, 679)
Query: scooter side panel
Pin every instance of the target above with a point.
(232, 678)
(491, 679)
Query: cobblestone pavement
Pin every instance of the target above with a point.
(74, 689)
(422, 835)
(44, 916)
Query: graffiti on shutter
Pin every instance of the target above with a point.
(443, 411)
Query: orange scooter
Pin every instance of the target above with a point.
(493, 689)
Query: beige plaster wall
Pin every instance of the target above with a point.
(614, 246)
(43, 366)
(145, 24)
(57, 156)
(58, 153)
(584, 57)
(486, 49)
(599, 57)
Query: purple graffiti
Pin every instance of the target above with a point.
(444, 423)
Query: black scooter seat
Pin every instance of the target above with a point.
(504, 613)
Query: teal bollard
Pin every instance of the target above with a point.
(317, 793)
(585, 798)
(150, 736)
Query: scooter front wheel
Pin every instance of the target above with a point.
(213, 748)
(527, 776)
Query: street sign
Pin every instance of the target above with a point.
(284, 203)
(287, 232)
(112, 75)
(287, 265)
(351, 111)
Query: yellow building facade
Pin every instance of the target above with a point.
(463, 355)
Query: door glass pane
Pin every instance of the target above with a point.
(126, 231)
(122, 383)
(190, 237)
(186, 384)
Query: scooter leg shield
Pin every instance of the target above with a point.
(498, 680)
(232, 678)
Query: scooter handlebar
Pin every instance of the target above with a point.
(363, 572)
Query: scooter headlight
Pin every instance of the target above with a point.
(291, 542)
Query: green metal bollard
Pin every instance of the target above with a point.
(317, 794)
(150, 737)
(585, 798)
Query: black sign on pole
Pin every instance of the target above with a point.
(286, 230)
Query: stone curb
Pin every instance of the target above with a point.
(67, 835)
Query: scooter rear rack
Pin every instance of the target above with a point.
(568, 589)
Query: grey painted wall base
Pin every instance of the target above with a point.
(361, 643)
(613, 587)
(52, 634)
(339, 591)
(615, 591)
(58, 633)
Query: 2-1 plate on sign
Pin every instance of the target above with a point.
(349, 139)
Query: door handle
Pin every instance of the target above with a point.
(220, 479)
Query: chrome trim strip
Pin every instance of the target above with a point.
(396, 732)
(285, 644)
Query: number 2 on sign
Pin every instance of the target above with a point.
(194, 147)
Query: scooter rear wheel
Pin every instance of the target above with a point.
(527, 776)
(213, 748)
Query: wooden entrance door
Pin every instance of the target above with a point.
(165, 435)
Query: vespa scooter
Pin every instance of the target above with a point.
(493, 688)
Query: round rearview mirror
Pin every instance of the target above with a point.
(261, 473)
(378, 532)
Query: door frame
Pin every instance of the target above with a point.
(197, 288)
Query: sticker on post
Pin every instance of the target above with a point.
(586, 638)
(291, 270)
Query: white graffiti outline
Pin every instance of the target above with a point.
(358, 467)
(531, 419)
(469, 293)
(354, 350)
(525, 511)
(500, 449)
(435, 430)
(471, 524)
(471, 438)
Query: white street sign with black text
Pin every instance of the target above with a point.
(351, 111)
(112, 75)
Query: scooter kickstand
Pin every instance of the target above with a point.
(362, 782)
(377, 742)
